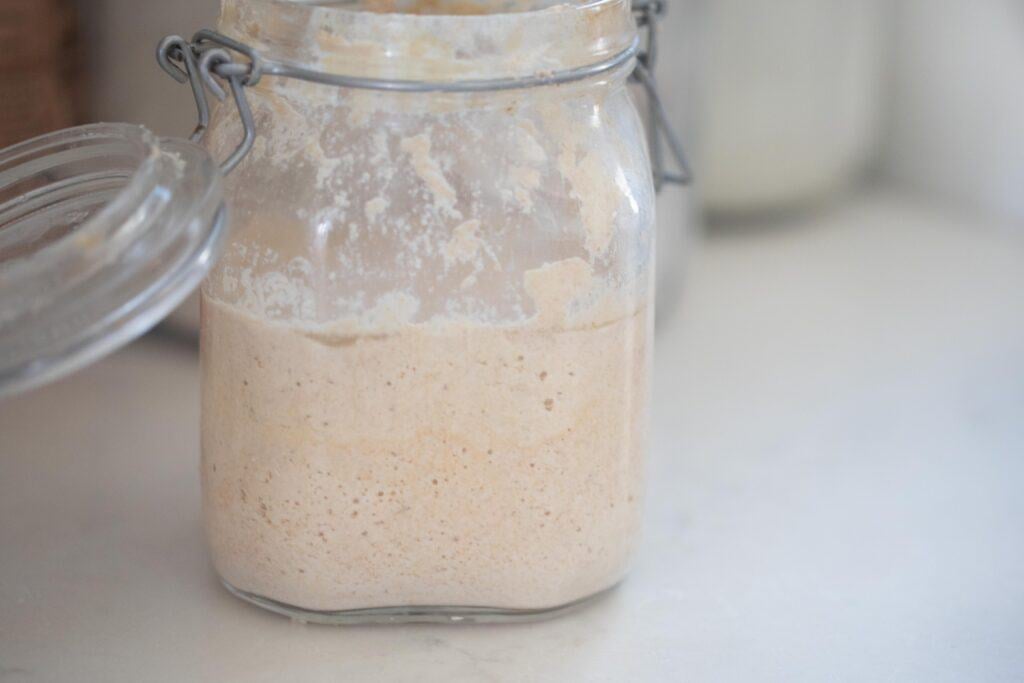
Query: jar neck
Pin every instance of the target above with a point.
(413, 40)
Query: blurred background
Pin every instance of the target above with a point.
(839, 414)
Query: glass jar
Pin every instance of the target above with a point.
(426, 351)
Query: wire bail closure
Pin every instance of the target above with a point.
(648, 13)
(200, 64)
(207, 59)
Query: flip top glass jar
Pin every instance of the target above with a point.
(426, 341)
(426, 351)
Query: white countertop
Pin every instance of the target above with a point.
(837, 492)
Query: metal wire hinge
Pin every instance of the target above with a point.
(201, 63)
(659, 127)
(207, 60)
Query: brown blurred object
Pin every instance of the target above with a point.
(40, 79)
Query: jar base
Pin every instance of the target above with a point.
(426, 614)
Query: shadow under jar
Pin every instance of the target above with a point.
(426, 351)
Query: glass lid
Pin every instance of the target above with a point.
(104, 229)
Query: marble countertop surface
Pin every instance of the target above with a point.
(836, 491)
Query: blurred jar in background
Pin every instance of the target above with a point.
(38, 68)
(958, 103)
(790, 104)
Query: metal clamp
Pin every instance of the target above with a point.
(648, 13)
(200, 64)
(208, 58)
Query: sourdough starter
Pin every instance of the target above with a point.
(455, 465)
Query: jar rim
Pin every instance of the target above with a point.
(357, 7)
(351, 40)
